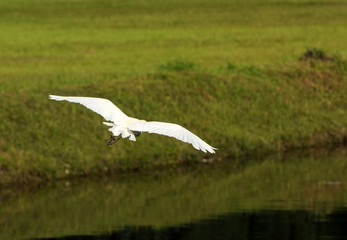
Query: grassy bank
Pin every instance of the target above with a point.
(230, 73)
(244, 110)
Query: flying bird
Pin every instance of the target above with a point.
(128, 127)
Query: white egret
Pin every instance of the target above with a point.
(128, 127)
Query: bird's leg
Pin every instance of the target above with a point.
(113, 140)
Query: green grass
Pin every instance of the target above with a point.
(227, 70)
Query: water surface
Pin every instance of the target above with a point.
(294, 196)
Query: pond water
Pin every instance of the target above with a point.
(302, 195)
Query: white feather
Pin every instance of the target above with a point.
(101, 106)
(172, 130)
(124, 125)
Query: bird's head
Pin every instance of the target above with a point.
(136, 133)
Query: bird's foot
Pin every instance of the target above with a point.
(110, 139)
(113, 140)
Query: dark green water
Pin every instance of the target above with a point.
(264, 224)
(297, 196)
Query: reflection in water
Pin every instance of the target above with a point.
(300, 196)
(265, 224)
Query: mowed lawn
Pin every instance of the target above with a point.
(227, 70)
(50, 43)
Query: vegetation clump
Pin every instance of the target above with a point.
(178, 65)
(316, 54)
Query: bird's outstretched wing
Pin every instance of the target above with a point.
(173, 130)
(101, 106)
